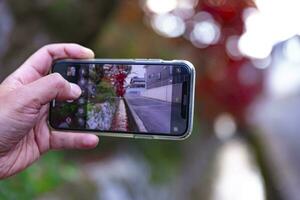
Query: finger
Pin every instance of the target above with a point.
(50, 87)
(43, 58)
(67, 140)
(40, 62)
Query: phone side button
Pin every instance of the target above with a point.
(143, 137)
(155, 60)
(141, 59)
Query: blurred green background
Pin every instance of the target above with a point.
(244, 146)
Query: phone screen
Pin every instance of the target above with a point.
(126, 98)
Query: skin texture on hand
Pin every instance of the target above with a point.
(24, 99)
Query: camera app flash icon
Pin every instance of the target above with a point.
(175, 129)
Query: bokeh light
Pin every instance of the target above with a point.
(269, 24)
(262, 63)
(225, 126)
(161, 7)
(205, 33)
(284, 75)
(232, 47)
(187, 4)
(168, 25)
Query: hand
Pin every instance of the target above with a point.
(24, 99)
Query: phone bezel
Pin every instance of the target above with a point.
(141, 135)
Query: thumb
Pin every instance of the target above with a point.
(51, 87)
(21, 107)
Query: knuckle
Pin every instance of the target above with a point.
(58, 80)
(45, 47)
(48, 48)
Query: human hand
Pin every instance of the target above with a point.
(24, 99)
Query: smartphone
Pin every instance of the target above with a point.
(138, 98)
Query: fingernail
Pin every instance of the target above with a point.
(90, 141)
(75, 89)
(90, 52)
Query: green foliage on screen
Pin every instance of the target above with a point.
(105, 92)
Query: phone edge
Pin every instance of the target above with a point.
(142, 136)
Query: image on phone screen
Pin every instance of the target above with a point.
(124, 98)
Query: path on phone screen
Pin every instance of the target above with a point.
(120, 121)
(155, 114)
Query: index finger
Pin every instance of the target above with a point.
(39, 63)
(68, 140)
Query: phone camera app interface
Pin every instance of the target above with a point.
(125, 98)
